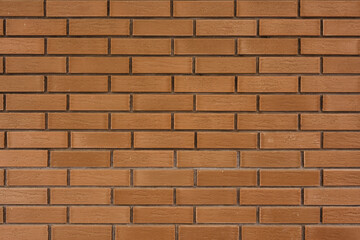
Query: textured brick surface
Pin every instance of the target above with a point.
(179, 119)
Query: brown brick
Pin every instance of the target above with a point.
(288, 140)
(289, 215)
(99, 102)
(270, 196)
(99, 65)
(267, 84)
(292, 103)
(225, 214)
(22, 8)
(43, 177)
(77, 46)
(333, 46)
(140, 8)
(226, 27)
(142, 46)
(268, 46)
(140, 84)
(270, 159)
(100, 140)
(346, 177)
(162, 65)
(151, 177)
(222, 178)
(23, 158)
(329, 8)
(130, 232)
(36, 102)
(332, 232)
(331, 196)
(226, 102)
(224, 8)
(203, 121)
(330, 122)
(330, 84)
(271, 232)
(163, 214)
(341, 140)
(213, 46)
(99, 214)
(341, 64)
(32, 232)
(37, 139)
(341, 103)
(79, 158)
(168, 27)
(289, 65)
(107, 177)
(36, 214)
(267, 8)
(77, 83)
(341, 215)
(225, 65)
(341, 27)
(141, 158)
(80, 196)
(289, 178)
(208, 232)
(47, 27)
(21, 46)
(204, 84)
(206, 196)
(99, 26)
(23, 196)
(205, 159)
(267, 121)
(78, 120)
(85, 8)
(163, 140)
(226, 140)
(78, 232)
(331, 159)
(21, 83)
(157, 102)
(143, 196)
(22, 120)
(35, 65)
(289, 27)
(140, 121)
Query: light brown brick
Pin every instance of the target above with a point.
(204, 84)
(21, 46)
(226, 140)
(108, 214)
(213, 46)
(141, 158)
(99, 65)
(100, 140)
(143, 196)
(43, 177)
(271, 232)
(37, 139)
(82, 196)
(345, 177)
(21, 83)
(331, 159)
(23, 196)
(289, 27)
(23, 158)
(81, 232)
(289, 178)
(99, 102)
(289, 215)
(328, 8)
(163, 214)
(47, 27)
(79, 158)
(225, 65)
(205, 159)
(130, 232)
(208, 232)
(85, 8)
(330, 122)
(215, 27)
(268, 46)
(157, 102)
(331, 232)
(289, 65)
(267, 8)
(32, 232)
(331, 196)
(151, 177)
(162, 65)
(333, 46)
(341, 215)
(22, 8)
(330, 84)
(203, 121)
(206, 196)
(222, 178)
(270, 196)
(226, 102)
(289, 140)
(341, 64)
(293, 103)
(341, 140)
(142, 46)
(267, 121)
(140, 84)
(106, 177)
(77, 46)
(267, 84)
(77, 83)
(341, 103)
(168, 27)
(22, 120)
(35, 65)
(78, 120)
(140, 8)
(270, 159)
(36, 102)
(163, 139)
(140, 121)
(225, 214)
(36, 214)
(341, 27)
(99, 26)
(224, 8)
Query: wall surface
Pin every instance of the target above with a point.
(179, 120)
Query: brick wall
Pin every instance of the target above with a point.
(179, 120)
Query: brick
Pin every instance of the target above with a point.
(204, 84)
(142, 46)
(77, 83)
(99, 102)
(203, 159)
(222, 178)
(331, 196)
(141, 84)
(36, 102)
(162, 65)
(31, 27)
(99, 65)
(77, 46)
(293, 103)
(21, 46)
(268, 46)
(289, 27)
(267, 121)
(341, 27)
(168, 27)
(151, 177)
(143, 196)
(341, 140)
(226, 140)
(289, 215)
(22, 120)
(23, 158)
(330, 84)
(21, 83)
(81, 232)
(79, 158)
(32, 232)
(330, 122)
(163, 214)
(267, 84)
(226, 27)
(133, 158)
(78, 120)
(63, 8)
(270, 159)
(113, 177)
(331, 159)
(332, 232)
(33, 196)
(289, 65)
(163, 139)
(267, 8)
(225, 102)
(346, 177)
(140, 121)
(341, 215)
(157, 102)
(341, 103)
(37, 139)
(22, 8)
(270, 196)
(100, 140)
(1, 27)
(129, 232)
(289, 178)
(341, 64)
(225, 65)
(36, 214)
(208, 232)
(206, 196)
(320, 8)
(2, 178)
(203, 121)
(140, 8)
(99, 26)
(21, 177)
(35, 64)
(99, 214)
(288, 140)
(271, 232)
(2, 140)
(74, 196)
(225, 214)
(214, 46)
(212, 8)
(333, 46)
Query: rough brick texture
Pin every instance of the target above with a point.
(179, 119)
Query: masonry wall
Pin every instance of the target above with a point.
(179, 120)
